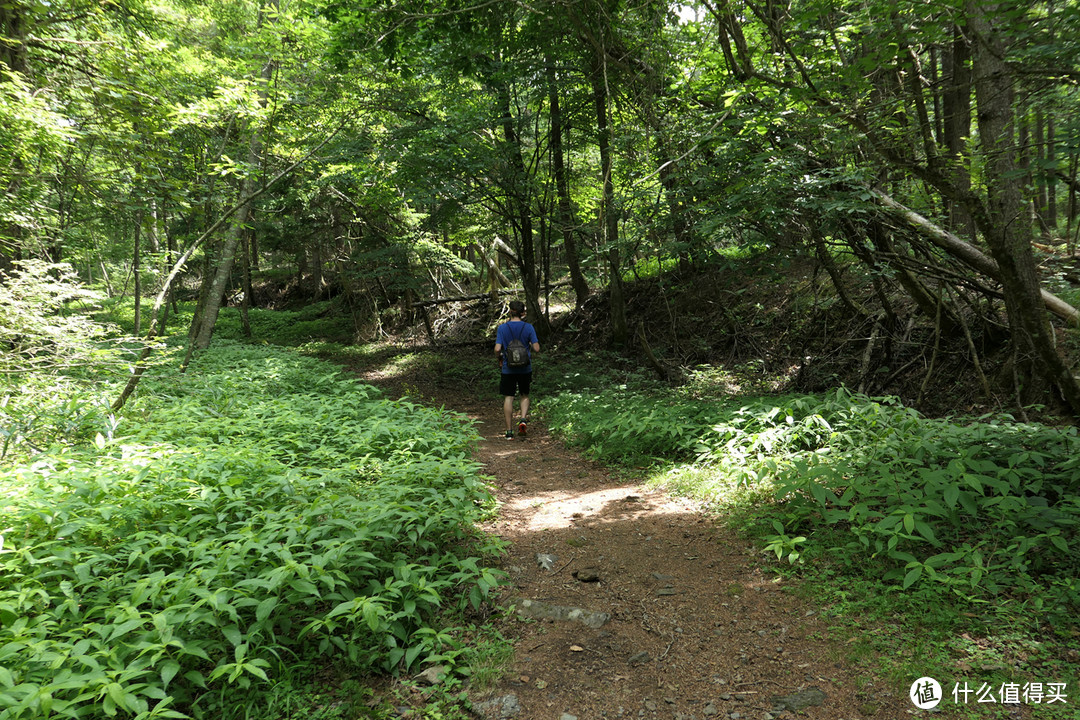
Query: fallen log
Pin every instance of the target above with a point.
(967, 253)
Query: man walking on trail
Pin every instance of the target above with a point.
(515, 342)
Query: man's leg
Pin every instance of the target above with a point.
(508, 410)
(523, 427)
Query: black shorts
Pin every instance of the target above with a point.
(510, 383)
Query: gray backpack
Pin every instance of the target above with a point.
(517, 353)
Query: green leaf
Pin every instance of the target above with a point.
(411, 654)
(371, 616)
(926, 530)
(952, 493)
(255, 670)
(232, 634)
(169, 668)
(124, 628)
(264, 608)
(969, 503)
(912, 575)
(909, 522)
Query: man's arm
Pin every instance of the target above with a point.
(536, 347)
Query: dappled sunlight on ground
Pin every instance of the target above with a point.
(563, 508)
(698, 624)
(693, 620)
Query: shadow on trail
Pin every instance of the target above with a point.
(697, 625)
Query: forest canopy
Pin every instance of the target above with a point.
(391, 152)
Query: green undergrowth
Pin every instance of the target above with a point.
(251, 525)
(951, 526)
(323, 322)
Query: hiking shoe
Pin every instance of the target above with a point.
(509, 434)
(523, 427)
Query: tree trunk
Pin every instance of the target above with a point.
(1074, 165)
(1008, 239)
(153, 227)
(12, 54)
(167, 286)
(1042, 198)
(170, 256)
(1023, 164)
(519, 196)
(967, 253)
(317, 276)
(565, 212)
(136, 271)
(245, 273)
(220, 281)
(956, 102)
(1051, 176)
(609, 218)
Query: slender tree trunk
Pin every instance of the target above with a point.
(136, 271)
(1023, 164)
(1008, 239)
(153, 226)
(1051, 175)
(245, 303)
(13, 34)
(219, 283)
(13, 54)
(317, 267)
(1042, 198)
(520, 199)
(565, 212)
(1074, 165)
(170, 257)
(609, 217)
(956, 102)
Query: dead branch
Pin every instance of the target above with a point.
(478, 296)
(968, 253)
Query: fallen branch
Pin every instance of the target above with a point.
(654, 361)
(463, 298)
(968, 253)
(479, 296)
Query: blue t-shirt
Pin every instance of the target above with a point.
(516, 330)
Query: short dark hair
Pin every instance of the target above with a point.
(517, 307)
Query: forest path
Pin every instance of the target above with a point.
(697, 627)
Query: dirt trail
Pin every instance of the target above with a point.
(699, 628)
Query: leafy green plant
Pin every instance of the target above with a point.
(630, 427)
(55, 361)
(258, 513)
(783, 544)
(981, 509)
(317, 322)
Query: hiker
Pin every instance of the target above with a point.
(515, 342)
